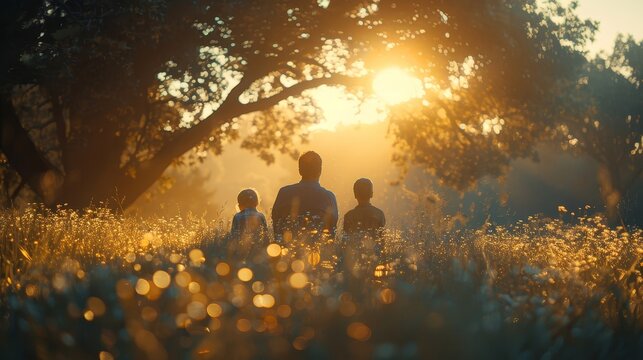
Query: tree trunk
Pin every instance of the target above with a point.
(24, 157)
(611, 192)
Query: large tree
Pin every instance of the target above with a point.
(98, 98)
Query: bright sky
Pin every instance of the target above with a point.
(615, 16)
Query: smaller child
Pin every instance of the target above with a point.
(248, 225)
(364, 219)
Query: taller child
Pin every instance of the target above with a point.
(365, 218)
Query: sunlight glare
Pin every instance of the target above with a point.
(394, 85)
(391, 86)
(341, 108)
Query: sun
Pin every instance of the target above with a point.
(394, 85)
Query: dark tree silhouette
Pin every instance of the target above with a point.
(98, 98)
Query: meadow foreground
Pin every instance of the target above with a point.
(100, 285)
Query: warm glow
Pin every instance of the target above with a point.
(394, 86)
(339, 107)
(391, 86)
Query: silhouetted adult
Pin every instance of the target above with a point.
(305, 202)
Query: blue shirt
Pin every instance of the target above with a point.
(304, 199)
(249, 223)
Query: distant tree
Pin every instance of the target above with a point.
(606, 120)
(98, 98)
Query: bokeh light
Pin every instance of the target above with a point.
(142, 287)
(161, 279)
(358, 331)
(298, 280)
(223, 269)
(244, 274)
(214, 310)
(273, 250)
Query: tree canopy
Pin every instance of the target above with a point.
(494, 106)
(99, 98)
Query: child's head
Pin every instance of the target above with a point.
(363, 189)
(247, 198)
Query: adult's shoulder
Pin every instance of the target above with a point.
(328, 192)
(287, 189)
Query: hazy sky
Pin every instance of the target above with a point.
(615, 16)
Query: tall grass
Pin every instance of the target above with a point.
(100, 285)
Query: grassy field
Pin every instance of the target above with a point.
(101, 285)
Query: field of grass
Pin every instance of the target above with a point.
(102, 285)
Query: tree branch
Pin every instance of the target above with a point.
(248, 79)
(453, 121)
(297, 89)
(149, 171)
(16, 191)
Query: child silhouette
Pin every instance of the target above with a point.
(249, 227)
(365, 218)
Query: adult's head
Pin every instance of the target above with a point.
(363, 189)
(310, 166)
(247, 198)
